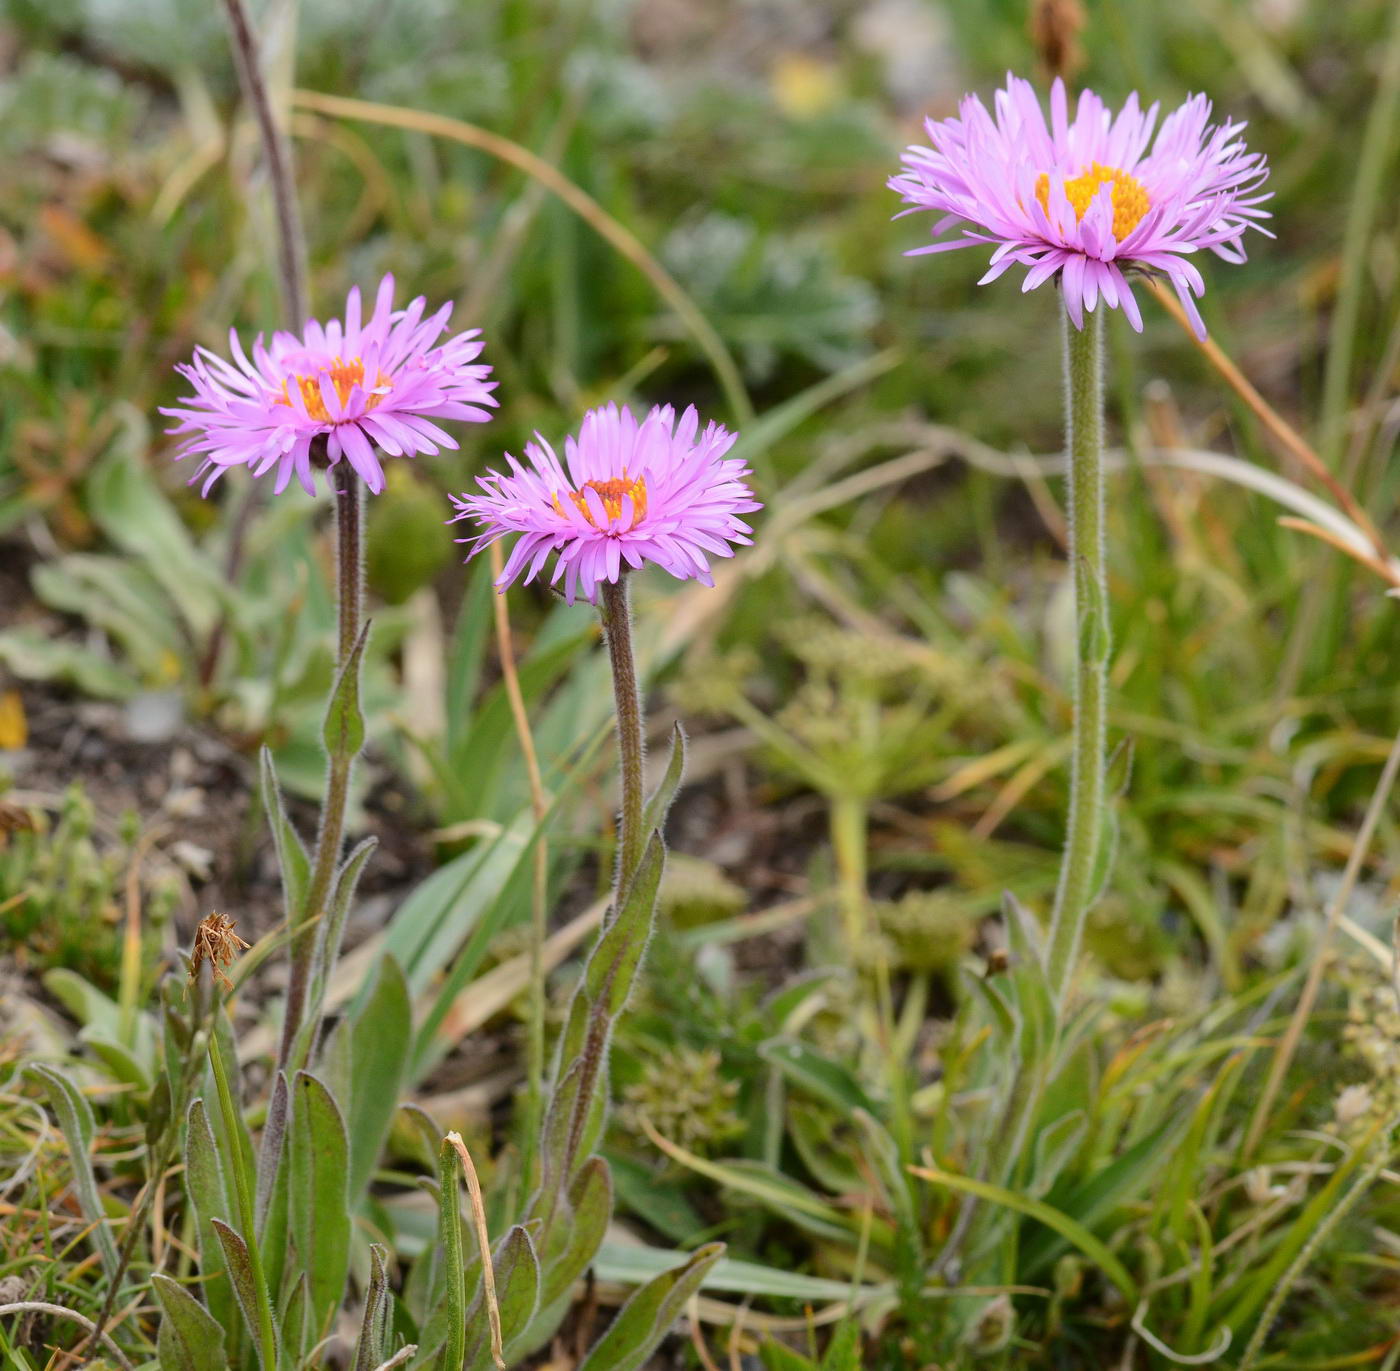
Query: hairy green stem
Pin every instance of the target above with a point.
(267, 1336)
(350, 583)
(1079, 868)
(617, 629)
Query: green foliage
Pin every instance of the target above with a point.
(891, 658)
(62, 890)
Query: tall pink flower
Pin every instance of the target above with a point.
(361, 386)
(1087, 201)
(628, 492)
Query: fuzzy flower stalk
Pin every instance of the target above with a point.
(1086, 202)
(626, 492)
(339, 396)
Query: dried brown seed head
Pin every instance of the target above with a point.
(215, 942)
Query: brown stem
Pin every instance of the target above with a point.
(291, 261)
(291, 250)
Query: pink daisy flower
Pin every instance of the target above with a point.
(628, 492)
(1087, 201)
(355, 385)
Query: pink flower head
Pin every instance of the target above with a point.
(1087, 200)
(655, 491)
(361, 386)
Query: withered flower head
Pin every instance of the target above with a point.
(215, 942)
(1055, 27)
(15, 819)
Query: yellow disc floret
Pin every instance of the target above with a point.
(1127, 193)
(344, 376)
(611, 493)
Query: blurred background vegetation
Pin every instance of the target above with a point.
(877, 694)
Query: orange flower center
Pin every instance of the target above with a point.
(345, 376)
(1128, 196)
(611, 493)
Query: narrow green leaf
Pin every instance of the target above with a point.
(240, 1269)
(333, 927)
(1055, 1144)
(76, 1121)
(843, 1351)
(659, 805)
(124, 1064)
(373, 1345)
(590, 1202)
(1121, 1182)
(647, 1317)
(344, 731)
(191, 1339)
(776, 1357)
(1062, 1223)
(206, 1186)
(630, 1264)
(467, 654)
(517, 1297)
(298, 1332)
(816, 1073)
(318, 1199)
(292, 860)
(663, 1204)
(380, 1036)
(1024, 937)
(608, 977)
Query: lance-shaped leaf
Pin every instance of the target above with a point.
(373, 1345)
(613, 966)
(159, 1109)
(298, 1332)
(344, 732)
(843, 1352)
(517, 1297)
(76, 1121)
(647, 1317)
(245, 1287)
(274, 1135)
(590, 1209)
(333, 928)
(380, 1036)
(205, 1185)
(190, 1338)
(659, 805)
(317, 1197)
(291, 854)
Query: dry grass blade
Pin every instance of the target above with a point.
(1279, 429)
(617, 234)
(1382, 569)
(57, 1311)
(1288, 1044)
(483, 1242)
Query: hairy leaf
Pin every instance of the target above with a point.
(318, 1199)
(76, 1121)
(190, 1338)
(647, 1317)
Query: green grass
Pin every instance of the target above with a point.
(884, 682)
